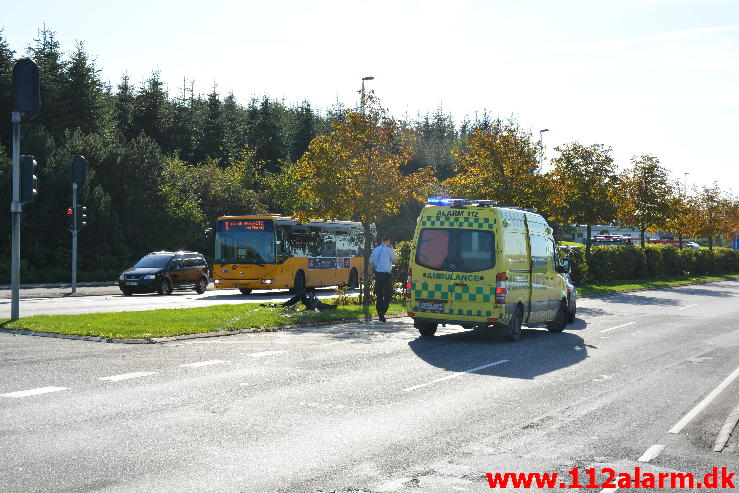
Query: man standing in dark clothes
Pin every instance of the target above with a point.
(381, 260)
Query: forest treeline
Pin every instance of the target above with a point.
(162, 166)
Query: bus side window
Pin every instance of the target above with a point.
(314, 242)
(283, 241)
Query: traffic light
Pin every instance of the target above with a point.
(28, 179)
(81, 217)
(70, 219)
(79, 171)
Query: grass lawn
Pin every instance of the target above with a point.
(619, 286)
(166, 323)
(253, 316)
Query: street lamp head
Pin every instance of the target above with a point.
(543, 130)
(368, 78)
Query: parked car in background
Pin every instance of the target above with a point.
(692, 244)
(163, 272)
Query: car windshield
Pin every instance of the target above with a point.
(245, 241)
(460, 250)
(153, 261)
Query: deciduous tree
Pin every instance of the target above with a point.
(645, 193)
(355, 172)
(498, 162)
(582, 186)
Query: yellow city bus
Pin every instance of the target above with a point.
(269, 251)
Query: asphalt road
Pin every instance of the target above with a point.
(373, 407)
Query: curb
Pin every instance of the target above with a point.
(184, 337)
(600, 295)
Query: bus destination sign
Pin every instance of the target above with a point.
(245, 225)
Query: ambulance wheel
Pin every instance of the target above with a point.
(514, 326)
(559, 323)
(571, 315)
(425, 328)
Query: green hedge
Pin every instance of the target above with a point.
(626, 262)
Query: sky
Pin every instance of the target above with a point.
(657, 77)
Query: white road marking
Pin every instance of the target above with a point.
(203, 363)
(265, 353)
(704, 403)
(688, 306)
(29, 393)
(651, 453)
(127, 376)
(472, 370)
(618, 327)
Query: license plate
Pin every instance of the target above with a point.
(131, 283)
(428, 306)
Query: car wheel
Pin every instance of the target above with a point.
(514, 326)
(201, 286)
(126, 292)
(245, 290)
(559, 323)
(353, 279)
(426, 329)
(165, 287)
(571, 314)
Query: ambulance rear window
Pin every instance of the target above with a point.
(458, 250)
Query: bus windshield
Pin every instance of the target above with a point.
(245, 241)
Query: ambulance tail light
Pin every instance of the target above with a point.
(408, 283)
(500, 288)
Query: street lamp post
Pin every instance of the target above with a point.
(685, 183)
(541, 148)
(361, 101)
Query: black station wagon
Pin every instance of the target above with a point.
(163, 272)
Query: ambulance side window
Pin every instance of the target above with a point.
(539, 253)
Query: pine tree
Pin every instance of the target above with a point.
(83, 93)
(211, 143)
(7, 61)
(303, 131)
(123, 108)
(153, 114)
(55, 112)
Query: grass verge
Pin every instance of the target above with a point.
(255, 317)
(172, 322)
(620, 286)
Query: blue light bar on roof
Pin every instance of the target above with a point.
(460, 202)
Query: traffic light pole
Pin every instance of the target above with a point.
(74, 239)
(15, 214)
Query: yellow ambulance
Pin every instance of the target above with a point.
(478, 265)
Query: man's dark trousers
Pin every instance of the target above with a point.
(383, 292)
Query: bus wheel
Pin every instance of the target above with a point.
(559, 323)
(514, 326)
(427, 329)
(299, 283)
(245, 290)
(353, 279)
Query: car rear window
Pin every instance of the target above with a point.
(459, 250)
